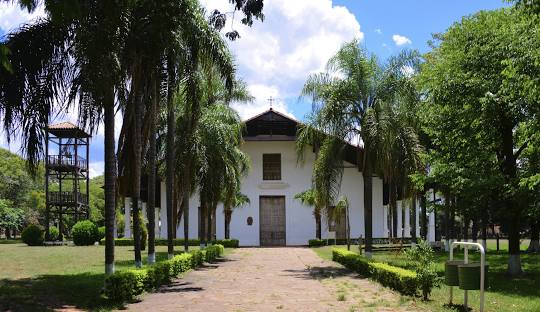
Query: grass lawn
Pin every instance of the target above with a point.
(47, 278)
(503, 294)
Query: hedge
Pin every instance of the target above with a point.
(399, 279)
(228, 243)
(126, 285)
(354, 241)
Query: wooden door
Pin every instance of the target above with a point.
(272, 220)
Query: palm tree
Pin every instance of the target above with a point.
(353, 83)
(68, 58)
(230, 202)
(308, 198)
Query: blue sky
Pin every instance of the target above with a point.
(297, 38)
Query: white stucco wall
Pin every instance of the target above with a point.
(295, 178)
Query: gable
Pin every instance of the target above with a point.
(275, 126)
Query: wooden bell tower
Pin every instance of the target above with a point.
(66, 174)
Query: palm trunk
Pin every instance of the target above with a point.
(110, 182)
(209, 224)
(170, 157)
(393, 207)
(423, 217)
(151, 210)
(318, 225)
(202, 223)
(413, 219)
(136, 167)
(185, 193)
(368, 201)
(228, 214)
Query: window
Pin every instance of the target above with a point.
(271, 166)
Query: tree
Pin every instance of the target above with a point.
(308, 198)
(11, 218)
(490, 58)
(229, 204)
(353, 83)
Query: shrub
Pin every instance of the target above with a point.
(32, 235)
(54, 233)
(422, 258)
(352, 261)
(227, 243)
(197, 258)
(399, 279)
(84, 233)
(126, 285)
(101, 233)
(316, 242)
(212, 252)
(393, 277)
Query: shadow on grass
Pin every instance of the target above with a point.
(53, 292)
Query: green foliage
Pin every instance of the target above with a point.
(84, 233)
(33, 235)
(101, 233)
(399, 279)
(227, 243)
(53, 233)
(422, 258)
(10, 217)
(126, 285)
(212, 252)
(316, 242)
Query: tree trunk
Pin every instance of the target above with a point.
(318, 225)
(228, 213)
(368, 201)
(474, 233)
(447, 220)
(393, 208)
(509, 170)
(185, 193)
(151, 210)
(170, 157)
(413, 219)
(203, 221)
(136, 175)
(423, 217)
(110, 182)
(534, 245)
(465, 229)
(209, 225)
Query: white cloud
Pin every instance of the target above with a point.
(378, 31)
(400, 40)
(11, 16)
(261, 102)
(96, 168)
(296, 38)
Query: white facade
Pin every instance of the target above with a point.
(300, 223)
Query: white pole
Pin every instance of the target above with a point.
(467, 245)
(466, 261)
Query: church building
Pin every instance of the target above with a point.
(274, 217)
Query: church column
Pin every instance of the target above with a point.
(127, 217)
(399, 218)
(407, 228)
(163, 212)
(431, 227)
(156, 222)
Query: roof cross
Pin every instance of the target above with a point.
(271, 100)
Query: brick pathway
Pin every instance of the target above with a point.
(273, 279)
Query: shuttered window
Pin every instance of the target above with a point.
(271, 166)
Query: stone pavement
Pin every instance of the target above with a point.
(273, 279)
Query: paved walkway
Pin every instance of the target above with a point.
(273, 279)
